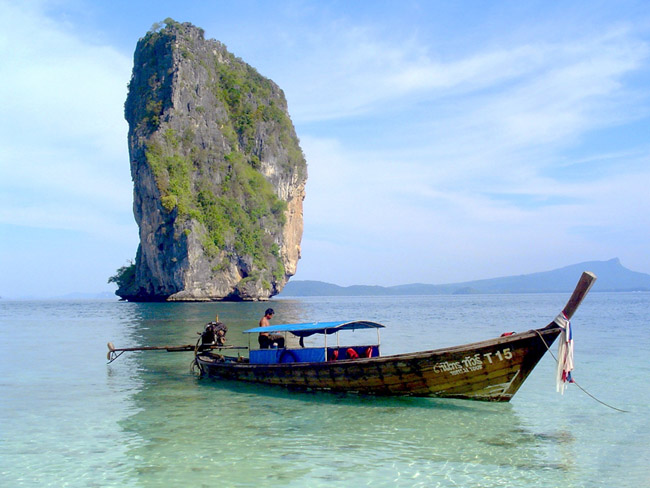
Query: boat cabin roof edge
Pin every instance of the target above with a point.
(308, 329)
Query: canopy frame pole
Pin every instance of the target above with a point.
(325, 334)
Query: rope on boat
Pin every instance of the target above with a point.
(576, 383)
(194, 366)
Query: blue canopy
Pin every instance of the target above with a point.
(305, 330)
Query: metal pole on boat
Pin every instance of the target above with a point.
(325, 334)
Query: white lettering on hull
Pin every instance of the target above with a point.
(472, 363)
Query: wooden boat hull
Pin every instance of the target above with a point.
(491, 370)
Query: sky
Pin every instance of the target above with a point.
(445, 141)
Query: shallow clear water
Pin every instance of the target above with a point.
(69, 419)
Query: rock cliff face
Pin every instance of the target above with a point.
(219, 177)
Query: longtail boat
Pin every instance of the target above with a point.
(490, 370)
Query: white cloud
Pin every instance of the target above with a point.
(75, 218)
(63, 134)
(374, 219)
(349, 71)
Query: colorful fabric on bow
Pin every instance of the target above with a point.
(565, 354)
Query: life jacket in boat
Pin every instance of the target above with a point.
(368, 352)
(352, 354)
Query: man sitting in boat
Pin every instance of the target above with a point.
(268, 340)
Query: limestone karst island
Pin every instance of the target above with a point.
(218, 174)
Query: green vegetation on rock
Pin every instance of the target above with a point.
(124, 277)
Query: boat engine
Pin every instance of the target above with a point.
(214, 334)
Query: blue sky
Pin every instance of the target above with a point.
(446, 141)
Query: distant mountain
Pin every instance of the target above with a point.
(612, 276)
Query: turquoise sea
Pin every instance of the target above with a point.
(67, 419)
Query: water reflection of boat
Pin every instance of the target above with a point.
(491, 370)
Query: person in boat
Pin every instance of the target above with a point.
(214, 334)
(268, 340)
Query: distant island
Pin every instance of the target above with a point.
(612, 276)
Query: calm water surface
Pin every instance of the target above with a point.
(69, 419)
